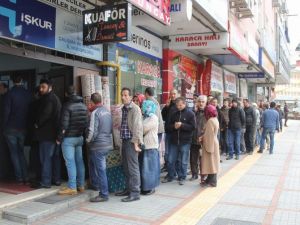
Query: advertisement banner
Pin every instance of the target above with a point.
(206, 78)
(49, 26)
(243, 88)
(266, 63)
(109, 23)
(230, 82)
(158, 9)
(199, 41)
(216, 78)
(181, 10)
(253, 49)
(145, 42)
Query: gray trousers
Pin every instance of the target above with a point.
(131, 168)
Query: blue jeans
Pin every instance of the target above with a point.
(179, 153)
(98, 158)
(265, 132)
(258, 136)
(56, 160)
(234, 138)
(72, 152)
(168, 139)
(47, 149)
(15, 141)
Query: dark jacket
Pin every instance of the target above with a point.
(16, 108)
(2, 100)
(167, 113)
(48, 117)
(236, 118)
(99, 135)
(200, 123)
(184, 134)
(225, 117)
(74, 118)
(250, 116)
(281, 114)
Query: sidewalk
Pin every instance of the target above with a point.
(258, 189)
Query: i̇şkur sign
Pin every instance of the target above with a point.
(107, 24)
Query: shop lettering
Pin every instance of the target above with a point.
(175, 7)
(148, 83)
(35, 21)
(141, 41)
(193, 44)
(98, 17)
(148, 69)
(198, 38)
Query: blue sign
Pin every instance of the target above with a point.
(40, 24)
(251, 75)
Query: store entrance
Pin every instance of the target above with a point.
(31, 71)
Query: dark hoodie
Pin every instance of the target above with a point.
(74, 118)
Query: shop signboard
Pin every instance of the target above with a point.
(109, 23)
(206, 78)
(238, 44)
(216, 79)
(230, 82)
(243, 88)
(199, 41)
(158, 9)
(144, 42)
(50, 26)
(251, 75)
(217, 9)
(181, 10)
(253, 49)
(266, 63)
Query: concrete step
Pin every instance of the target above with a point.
(30, 212)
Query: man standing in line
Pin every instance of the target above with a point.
(149, 94)
(286, 114)
(74, 120)
(100, 142)
(15, 123)
(167, 112)
(132, 137)
(235, 126)
(269, 123)
(46, 130)
(281, 115)
(195, 157)
(257, 129)
(224, 127)
(250, 116)
(182, 126)
(243, 131)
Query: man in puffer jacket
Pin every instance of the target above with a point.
(250, 116)
(74, 120)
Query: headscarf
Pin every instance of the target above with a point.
(140, 97)
(148, 108)
(210, 111)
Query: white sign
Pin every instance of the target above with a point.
(145, 42)
(181, 10)
(216, 78)
(253, 49)
(230, 82)
(217, 9)
(199, 41)
(243, 88)
(73, 6)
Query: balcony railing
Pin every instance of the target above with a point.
(243, 8)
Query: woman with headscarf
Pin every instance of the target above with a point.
(149, 157)
(210, 160)
(138, 99)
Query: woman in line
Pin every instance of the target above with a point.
(149, 157)
(210, 160)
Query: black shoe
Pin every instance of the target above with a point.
(212, 185)
(39, 186)
(148, 192)
(260, 151)
(229, 158)
(122, 193)
(194, 178)
(56, 183)
(166, 180)
(130, 199)
(250, 153)
(237, 157)
(98, 199)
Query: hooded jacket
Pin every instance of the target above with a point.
(236, 118)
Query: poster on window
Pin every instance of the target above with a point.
(230, 82)
(216, 78)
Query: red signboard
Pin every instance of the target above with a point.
(206, 78)
(158, 9)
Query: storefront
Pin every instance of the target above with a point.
(140, 61)
(181, 73)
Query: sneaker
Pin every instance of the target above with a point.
(229, 158)
(166, 180)
(67, 191)
(80, 189)
(98, 199)
(237, 157)
(194, 178)
(181, 182)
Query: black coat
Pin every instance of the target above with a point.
(236, 118)
(184, 134)
(250, 116)
(167, 113)
(74, 118)
(48, 115)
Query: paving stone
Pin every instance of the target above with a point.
(289, 200)
(223, 221)
(266, 170)
(286, 218)
(260, 181)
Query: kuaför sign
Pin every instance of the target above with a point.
(107, 24)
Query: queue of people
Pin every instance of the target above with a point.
(194, 138)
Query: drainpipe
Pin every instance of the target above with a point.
(116, 66)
